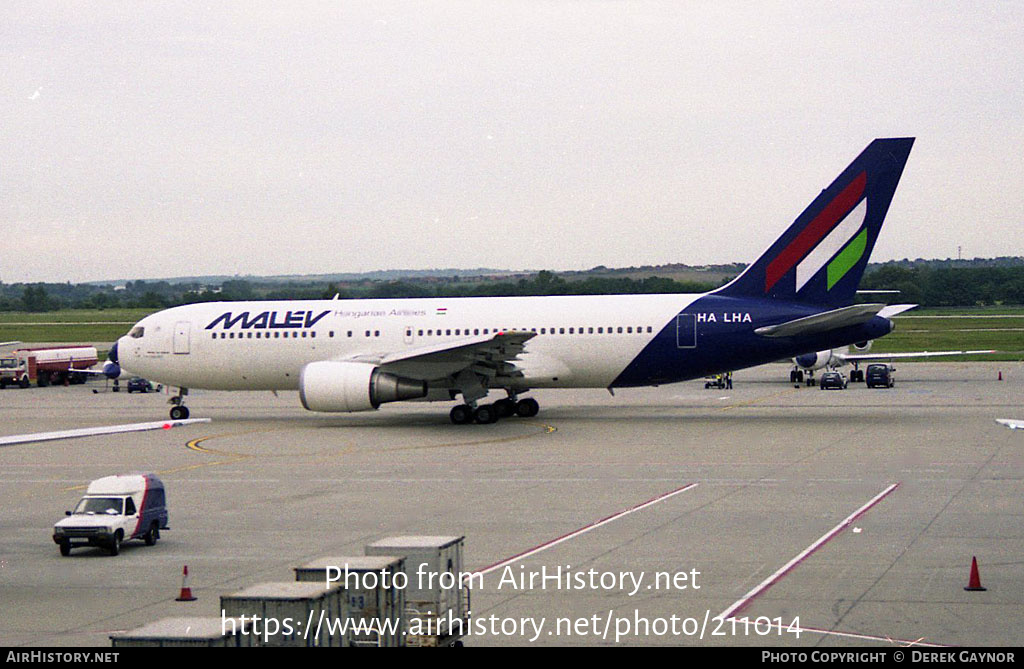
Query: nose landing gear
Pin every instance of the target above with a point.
(179, 411)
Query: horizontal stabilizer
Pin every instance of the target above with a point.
(896, 309)
(823, 322)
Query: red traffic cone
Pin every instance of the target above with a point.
(974, 584)
(186, 591)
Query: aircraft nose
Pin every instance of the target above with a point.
(111, 368)
(807, 359)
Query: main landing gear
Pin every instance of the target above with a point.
(464, 414)
(179, 411)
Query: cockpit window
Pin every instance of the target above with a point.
(137, 332)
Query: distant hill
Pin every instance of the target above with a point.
(677, 271)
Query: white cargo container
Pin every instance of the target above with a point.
(302, 614)
(372, 599)
(188, 632)
(436, 600)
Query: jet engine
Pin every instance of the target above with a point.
(863, 346)
(353, 386)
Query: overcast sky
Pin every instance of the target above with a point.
(146, 140)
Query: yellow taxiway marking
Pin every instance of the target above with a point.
(762, 398)
(173, 470)
(545, 429)
(232, 457)
(194, 444)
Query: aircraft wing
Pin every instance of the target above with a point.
(488, 354)
(1010, 423)
(823, 322)
(9, 343)
(910, 354)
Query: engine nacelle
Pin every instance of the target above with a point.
(813, 361)
(863, 346)
(353, 386)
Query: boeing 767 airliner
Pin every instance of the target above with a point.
(354, 355)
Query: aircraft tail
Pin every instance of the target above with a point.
(820, 259)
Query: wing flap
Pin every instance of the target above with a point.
(489, 354)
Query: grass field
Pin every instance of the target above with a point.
(68, 326)
(1000, 328)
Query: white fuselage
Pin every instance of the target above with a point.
(581, 342)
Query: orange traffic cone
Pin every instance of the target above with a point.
(974, 584)
(186, 591)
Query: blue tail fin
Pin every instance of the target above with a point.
(821, 257)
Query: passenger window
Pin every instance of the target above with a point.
(129, 507)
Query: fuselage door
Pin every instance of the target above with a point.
(181, 336)
(686, 331)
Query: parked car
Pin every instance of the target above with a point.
(139, 385)
(880, 376)
(114, 510)
(833, 381)
(716, 381)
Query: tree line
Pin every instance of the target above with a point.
(929, 283)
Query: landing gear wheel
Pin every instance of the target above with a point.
(179, 412)
(505, 408)
(65, 548)
(461, 414)
(527, 408)
(485, 414)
